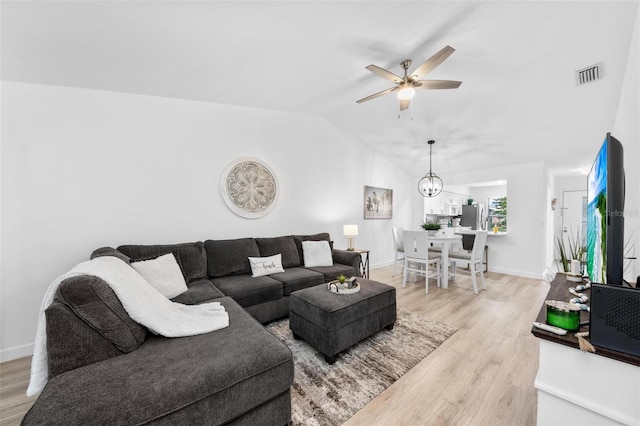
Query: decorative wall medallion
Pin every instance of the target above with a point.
(249, 187)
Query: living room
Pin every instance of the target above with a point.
(86, 166)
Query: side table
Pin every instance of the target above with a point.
(364, 262)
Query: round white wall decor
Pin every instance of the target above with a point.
(249, 187)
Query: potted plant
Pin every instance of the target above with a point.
(570, 248)
(469, 201)
(340, 284)
(431, 227)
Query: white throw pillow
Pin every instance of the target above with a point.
(261, 266)
(316, 253)
(163, 273)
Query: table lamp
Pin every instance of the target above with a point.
(350, 231)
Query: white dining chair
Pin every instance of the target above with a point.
(399, 248)
(473, 260)
(417, 258)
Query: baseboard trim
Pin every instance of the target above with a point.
(516, 273)
(588, 405)
(16, 352)
(491, 269)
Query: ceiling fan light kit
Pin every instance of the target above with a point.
(406, 86)
(430, 185)
(406, 93)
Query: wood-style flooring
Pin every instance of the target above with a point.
(482, 375)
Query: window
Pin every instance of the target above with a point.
(497, 214)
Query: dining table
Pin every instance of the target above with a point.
(447, 241)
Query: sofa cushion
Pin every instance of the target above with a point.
(283, 245)
(247, 290)
(233, 370)
(230, 257)
(193, 258)
(95, 303)
(298, 278)
(163, 273)
(315, 237)
(200, 291)
(261, 266)
(332, 272)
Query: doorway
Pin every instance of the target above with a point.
(574, 215)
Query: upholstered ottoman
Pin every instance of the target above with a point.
(333, 322)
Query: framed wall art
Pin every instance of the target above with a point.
(378, 203)
(249, 187)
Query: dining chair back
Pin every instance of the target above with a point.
(473, 260)
(467, 241)
(417, 258)
(399, 248)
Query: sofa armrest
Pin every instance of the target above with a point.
(350, 258)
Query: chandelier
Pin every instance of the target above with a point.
(430, 185)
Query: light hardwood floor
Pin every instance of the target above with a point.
(482, 375)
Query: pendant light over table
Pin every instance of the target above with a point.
(430, 185)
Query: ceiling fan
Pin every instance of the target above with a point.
(406, 86)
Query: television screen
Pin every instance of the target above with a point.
(605, 222)
(596, 218)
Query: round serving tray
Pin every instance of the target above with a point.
(336, 287)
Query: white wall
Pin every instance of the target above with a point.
(522, 251)
(627, 130)
(83, 169)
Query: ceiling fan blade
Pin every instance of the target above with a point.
(404, 104)
(431, 63)
(376, 95)
(436, 84)
(381, 72)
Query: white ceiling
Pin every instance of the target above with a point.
(518, 101)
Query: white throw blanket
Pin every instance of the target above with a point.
(142, 302)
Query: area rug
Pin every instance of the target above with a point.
(324, 394)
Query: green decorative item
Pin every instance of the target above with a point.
(430, 226)
(469, 201)
(563, 315)
(341, 278)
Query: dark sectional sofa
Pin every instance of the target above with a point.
(106, 369)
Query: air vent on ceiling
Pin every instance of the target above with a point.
(589, 74)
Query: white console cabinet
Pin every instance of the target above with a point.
(578, 388)
(582, 388)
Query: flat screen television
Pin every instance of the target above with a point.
(605, 219)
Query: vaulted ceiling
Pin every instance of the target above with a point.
(518, 102)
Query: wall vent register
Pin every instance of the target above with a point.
(589, 74)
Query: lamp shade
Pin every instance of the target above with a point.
(350, 230)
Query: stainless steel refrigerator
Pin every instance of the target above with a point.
(474, 216)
